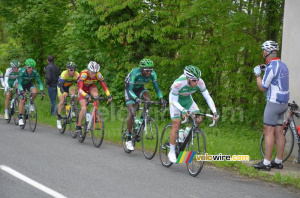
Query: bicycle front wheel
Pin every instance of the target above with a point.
(10, 112)
(16, 112)
(84, 131)
(73, 121)
(288, 148)
(97, 129)
(197, 145)
(149, 139)
(164, 146)
(63, 120)
(32, 117)
(124, 135)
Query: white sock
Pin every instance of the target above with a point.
(172, 148)
(278, 161)
(267, 162)
(6, 111)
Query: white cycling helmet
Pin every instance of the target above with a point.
(270, 46)
(93, 66)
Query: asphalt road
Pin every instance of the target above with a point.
(72, 169)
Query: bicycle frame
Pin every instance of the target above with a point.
(190, 137)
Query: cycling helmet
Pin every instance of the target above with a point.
(146, 63)
(71, 65)
(270, 46)
(192, 72)
(93, 66)
(15, 63)
(30, 62)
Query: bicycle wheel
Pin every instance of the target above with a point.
(16, 112)
(64, 117)
(10, 112)
(164, 146)
(84, 132)
(124, 134)
(32, 117)
(73, 120)
(149, 139)
(288, 148)
(97, 129)
(197, 145)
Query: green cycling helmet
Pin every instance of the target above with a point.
(30, 62)
(146, 63)
(192, 72)
(15, 63)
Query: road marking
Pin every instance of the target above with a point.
(31, 182)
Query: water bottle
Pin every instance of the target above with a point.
(180, 135)
(12, 102)
(87, 116)
(298, 129)
(137, 123)
(186, 131)
(67, 109)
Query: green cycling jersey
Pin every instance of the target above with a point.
(136, 80)
(26, 79)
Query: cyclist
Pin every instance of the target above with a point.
(275, 83)
(25, 83)
(65, 85)
(10, 81)
(135, 90)
(86, 87)
(182, 103)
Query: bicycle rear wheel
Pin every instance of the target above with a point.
(10, 112)
(64, 116)
(288, 148)
(16, 112)
(124, 134)
(149, 139)
(32, 117)
(197, 145)
(97, 129)
(73, 120)
(164, 146)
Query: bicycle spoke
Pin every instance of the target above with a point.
(32, 116)
(97, 129)
(197, 144)
(164, 146)
(73, 121)
(149, 139)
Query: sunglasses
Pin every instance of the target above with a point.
(72, 70)
(193, 80)
(29, 67)
(147, 70)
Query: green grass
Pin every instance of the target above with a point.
(223, 138)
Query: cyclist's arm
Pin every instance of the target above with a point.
(130, 90)
(267, 79)
(61, 85)
(209, 101)
(155, 85)
(6, 78)
(103, 84)
(38, 79)
(20, 79)
(173, 98)
(80, 86)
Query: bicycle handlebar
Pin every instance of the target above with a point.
(98, 98)
(29, 93)
(186, 120)
(149, 102)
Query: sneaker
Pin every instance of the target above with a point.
(73, 114)
(172, 157)
(129, 146)
(78, 131)
(275, 165)
(59, 124)
(6, 116)
(261, 166)
(21, 122)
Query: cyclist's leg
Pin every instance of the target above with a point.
(280, 138)
(7, 97)
(33, 90)
(61, 102)
(21, 105)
